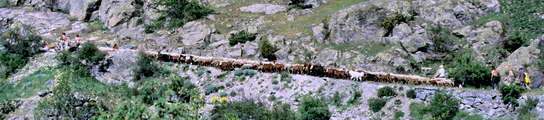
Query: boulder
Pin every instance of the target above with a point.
(196, 33)
(121, 63)
(264, 8)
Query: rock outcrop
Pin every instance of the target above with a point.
(264, 8)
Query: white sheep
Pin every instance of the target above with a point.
(356, 75)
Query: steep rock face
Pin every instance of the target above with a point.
(83, 9)
(363, 21)
(115, 13)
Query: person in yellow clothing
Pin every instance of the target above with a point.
(527, 80)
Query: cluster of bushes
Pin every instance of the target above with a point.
(19, 45)
(247, 110)
(175, 13)
(7, 106)
(468, 71)
(384, 94)
(441, 107)
(411, 94)
(310, 109)
(173, 98)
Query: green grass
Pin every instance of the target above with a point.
(363, 47)
(26, 87)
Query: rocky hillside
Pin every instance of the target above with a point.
(468, 37)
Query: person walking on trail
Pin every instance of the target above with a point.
(510, 77)
(521, 76)
(527, 80)
(495, 77)
(77, 41)
(440, 73)
(63, 41)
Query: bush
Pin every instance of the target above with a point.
(175, 13)
(145, 67)
(130, 110)
(376, 104)
(411, 93)
(443, 106)
(461, 115)
(314, 109)
(525, 112)
(245, 72)
(510, 93)
(267, 50)
(212, 89)
(9, 63)
(26, 44)
(65, 105)
(152, 90)
(355, 98)
(466, 70)
(249, 110)
(5, 4)
(515, 41)
(7, 106)
(386, 92)
(299, 4)
(398, 115)
(90, 54)
(242, 37)
(337, 99)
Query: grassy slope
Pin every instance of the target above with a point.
(26, 87)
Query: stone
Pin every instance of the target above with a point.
(319, 32)
(120, 68)
(264, 8)
(115, 12)
(196, 33)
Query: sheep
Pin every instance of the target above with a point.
(358, 76)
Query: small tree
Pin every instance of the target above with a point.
(314, 109)
(443, 106)
(510, 93)
(267, 50)
(145, 67)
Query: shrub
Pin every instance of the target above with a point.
(9, 63)
(64, 104)
(443, 106)
(145, 67)
(515, 41)
(510, 93)
(443, 39)
(466, 70)
(151, 90)
(245, 72)
(5, 4)
(398, 115)
(90, 53)
(386, 92)
(175, 13)
(411, 93)
(25, 43)
(7, 106)
(419, 111)
(314, 109)
(242, 37)
(389, 22)
(525, 112)
(299, 4)
(212, 89)
(376, 104)
(337, 98)
(461, 115)
(130, 110)
(355, 98)
(244, 110)
(267, 50)
(282, 112)
(97, 25)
